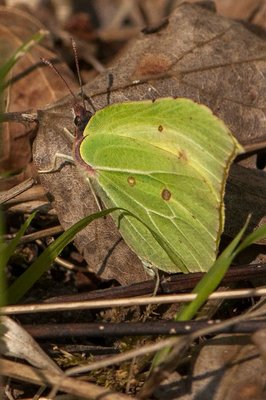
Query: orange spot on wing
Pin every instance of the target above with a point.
(131, 181)
(166, 194)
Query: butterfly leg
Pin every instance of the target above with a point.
(96, 198)
(110, 84)
(54, 167)
(149, 307)
(69, 135)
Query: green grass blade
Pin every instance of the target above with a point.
(8, 65)
(6, 251)
(20, 52)
(2, 265)
(17, 290)
(204, 288)
(211, 279)
(258, 234)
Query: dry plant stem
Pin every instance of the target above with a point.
(128, 302)
(24, 117)
(68, 265)
(28, 207)
(168, 285)
(154, 328)
(72, 386)
(37, 235)
(130, 375)
(177, 343)
(15, 191)
(118, 359)
(36, 192)
(254, 147)
(39, 393)
(171, 362)
(7, 391)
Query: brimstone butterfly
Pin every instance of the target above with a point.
(165, 161)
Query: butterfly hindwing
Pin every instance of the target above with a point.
(166, 162)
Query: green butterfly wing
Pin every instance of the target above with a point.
(166, 162)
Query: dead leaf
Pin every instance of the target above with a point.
(211, 59)
(32, 88)
(258, 339)
(250, 10)
(16, 342)
(230, 367)
(223, 367)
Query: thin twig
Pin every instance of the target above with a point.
(15, 191)
(150, 328)
(72, 386)
(129, 302)
(31, 237)
(168, 285)
(23, 117)
(152, 348)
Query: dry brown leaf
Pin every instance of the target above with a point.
(252, 11)
(244, 10)
(227, 366)
(230, 367)
(34, 89)
(16, 342)
(211, 59)
(77, 388)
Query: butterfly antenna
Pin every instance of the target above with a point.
(79, 77)
(53, 67)
(109, 87)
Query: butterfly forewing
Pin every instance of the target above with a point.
(166, 162)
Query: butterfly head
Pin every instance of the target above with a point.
(81, 118)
